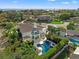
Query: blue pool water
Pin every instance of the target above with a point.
(75, 40)
(46, 46)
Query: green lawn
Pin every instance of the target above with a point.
(57, 22)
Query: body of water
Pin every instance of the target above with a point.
(46, 46)
(74, 40)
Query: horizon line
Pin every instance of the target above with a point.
(39, 8)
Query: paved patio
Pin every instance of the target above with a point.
(77, 51)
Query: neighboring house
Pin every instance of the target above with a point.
(76, 54)
(72, 33)
(74, 18)
(44, 18)
(76, 25)
(69, 33)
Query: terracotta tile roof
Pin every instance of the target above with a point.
(26, 27)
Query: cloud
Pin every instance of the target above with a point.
(15, 1)
(52, 0)
(74, 1)
(65, 2)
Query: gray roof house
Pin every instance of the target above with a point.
(44, 18)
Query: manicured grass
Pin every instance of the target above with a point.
(57, 22)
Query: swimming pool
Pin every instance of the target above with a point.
(74, 40)
(46, 46)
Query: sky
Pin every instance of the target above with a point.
(39, 4)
